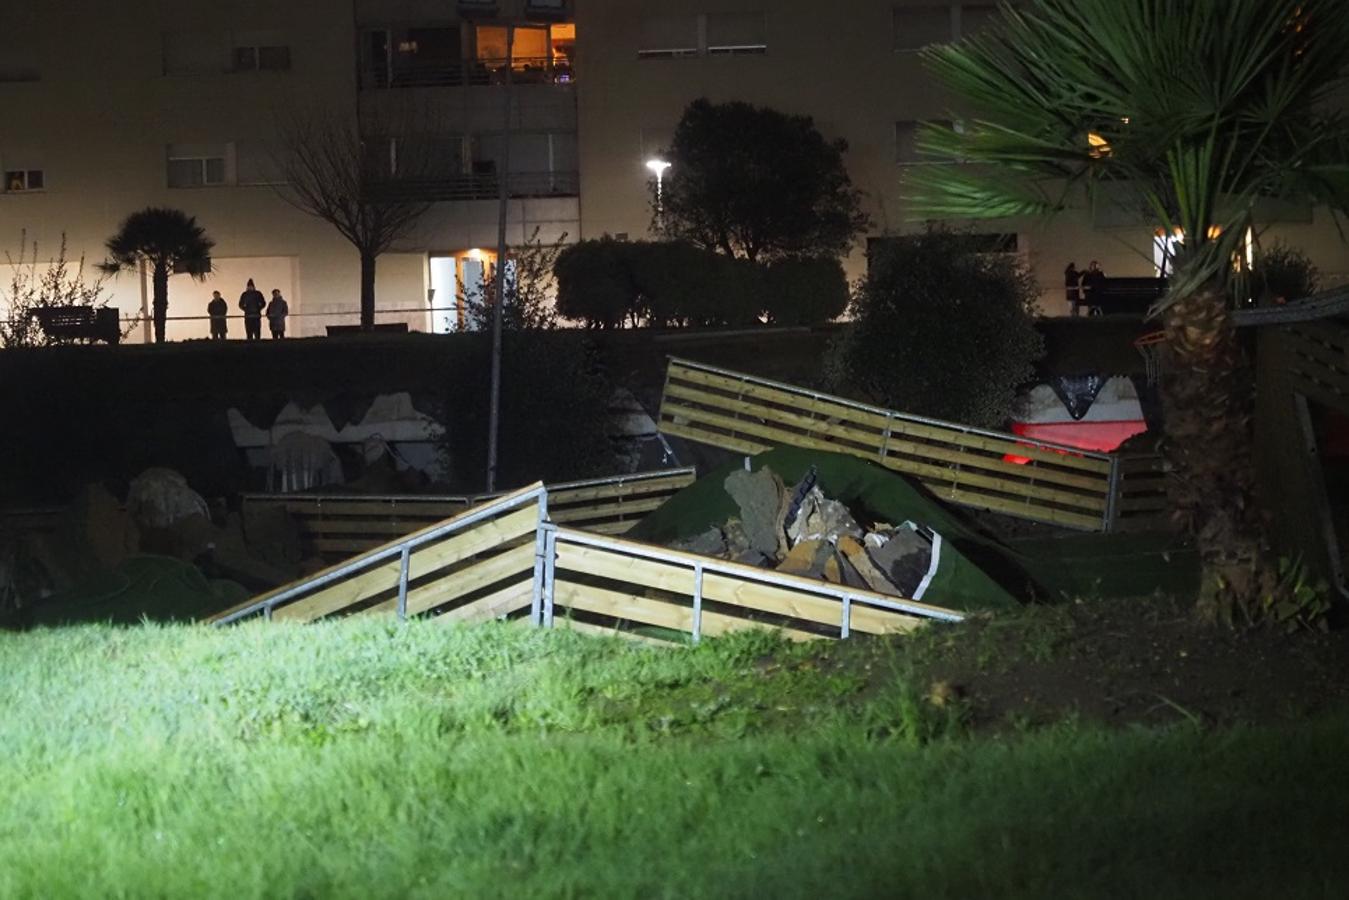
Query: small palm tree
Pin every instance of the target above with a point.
(1193, 114)
(166, 240)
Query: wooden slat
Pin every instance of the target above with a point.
(374, 506)
(375, 525)
(669, 485)
(582, 513)
(785, 601)
(517, 561)
(1094, 502)
(897, 423)
(503, 602)
(872, 443)
(677, 429)
(661, 613)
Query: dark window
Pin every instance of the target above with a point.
(17, 180)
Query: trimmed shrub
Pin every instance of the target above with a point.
(1283, 274)
(594, 284)
(940, 331)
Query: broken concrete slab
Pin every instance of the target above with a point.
(709, 543)
(760, 498)
(807, 559)
(873, 577)
(821, 518)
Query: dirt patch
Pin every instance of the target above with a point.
(1128, 662)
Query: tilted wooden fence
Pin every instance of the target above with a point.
(336, 526)
(505, 559)
(972, 467)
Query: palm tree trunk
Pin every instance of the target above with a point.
(160, 292)
(367, 291)
(1207, 400)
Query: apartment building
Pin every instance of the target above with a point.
(853, 65)
(109, 107)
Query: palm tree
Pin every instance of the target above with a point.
(1191, 113)
(166, 240)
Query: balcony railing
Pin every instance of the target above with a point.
(481, 187)
(526, 70)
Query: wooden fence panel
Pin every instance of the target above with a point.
(1318, 362)
(338, 527)
(982, 469)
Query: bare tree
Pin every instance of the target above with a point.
(368, 176)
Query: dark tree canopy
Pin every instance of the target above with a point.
(168, 241)
(754, 182)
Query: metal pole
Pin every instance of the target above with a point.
(503, 208)
(697, 603)
(403, 583)
(543, 564)
(550, 576)
(847, 617)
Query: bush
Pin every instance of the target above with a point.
(610, 284)
(940, 331)
(805, 291)
(1282, 274)
(594, 284)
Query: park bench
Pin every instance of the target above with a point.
(65, 323)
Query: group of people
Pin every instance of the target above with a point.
(1082, 288)
(255, 306)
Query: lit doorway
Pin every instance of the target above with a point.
(459, 281)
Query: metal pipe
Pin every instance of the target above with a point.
(541, 564)
(499, 304)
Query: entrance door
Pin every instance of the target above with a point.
(445, 295)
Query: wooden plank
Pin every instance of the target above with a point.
(1026, 487)
(661, 613)
(373, 507)
(873, 443)
(676, 429)
(896, 422)
(797, 603)
(377, 524)
(343, 547)
(517, 561)
(800, 605)
(1038, 512)
(670, 485)
(509, 599)
(581, 513)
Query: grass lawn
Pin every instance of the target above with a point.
(362, 759)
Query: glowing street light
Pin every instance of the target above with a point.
(658, 167)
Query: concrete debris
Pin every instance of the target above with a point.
(762, 508)
(800, 531)
(160, 497)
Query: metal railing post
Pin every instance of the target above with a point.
(542, 563)
(697, 602)
(403, 562)
(1112, 491)
(550, 576)
(847, 617)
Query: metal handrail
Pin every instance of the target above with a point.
(700, 565)
(401, 548)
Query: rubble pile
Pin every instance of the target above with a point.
(800, 531)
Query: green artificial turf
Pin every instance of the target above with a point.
(368, 759)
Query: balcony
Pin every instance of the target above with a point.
(522, 185)
(526, 70)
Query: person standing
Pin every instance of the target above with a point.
(277, 311)
(218, 309)
(1093, 288)
(1072, 287)
(252, 302)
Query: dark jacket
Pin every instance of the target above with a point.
(252, 302)
(218, 308)
(277, 309)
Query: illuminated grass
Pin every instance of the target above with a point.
(364, 760)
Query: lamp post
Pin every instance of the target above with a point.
(658, 167)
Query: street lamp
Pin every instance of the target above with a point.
(658, 167)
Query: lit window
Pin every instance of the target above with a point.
(19, 180)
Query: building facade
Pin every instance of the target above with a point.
(113, 107)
